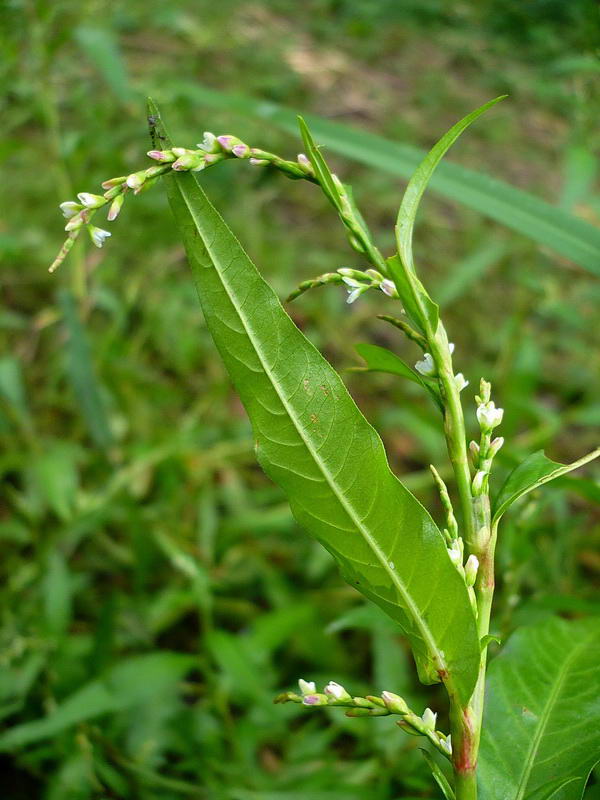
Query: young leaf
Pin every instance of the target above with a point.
(313, 441)
(418, 182)
(380, 359)
(419, 306)
(549, 226)
(542, 718)
(439, 776)
(531, 473)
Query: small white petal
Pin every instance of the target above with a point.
(307, 687)
(429, 719)
(335, 690)
(98, 235)
(426, 366)
(451, 347)
(352, 282)
(354, 295)
(460, 382)
(70, 208)
(388, 287)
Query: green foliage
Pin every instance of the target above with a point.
(536, 470)
(542, 721)
(310, 437)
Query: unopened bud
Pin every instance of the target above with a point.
(136, 180)
(317, 699)
(479, 483)
(307, 687)
(304, 162)
(240, 150)
(91, 200)
(258, 162)
(388, 287)
(336, 692)
(395, 703)
(164, 156)
(228, 142)
(455, 551)
(115, 207)
(112, 182)
(189, 161)
(429, 719)
(495, 445)
(471, 568)
(70, 208)
(474, 451)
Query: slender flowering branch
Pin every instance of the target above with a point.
(371, 706)
(213, 150)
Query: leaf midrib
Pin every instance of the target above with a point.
(423, 628)
(541, 728)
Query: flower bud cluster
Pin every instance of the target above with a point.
(334, 694)
(428, 368)
(357, 282)
(482, 454)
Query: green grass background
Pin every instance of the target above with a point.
(156, 593)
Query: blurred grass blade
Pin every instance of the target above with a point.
(548, 225)
(417, 184)
(531, 473)
(460, 277)
(542, 717)
(136, 680)
(101, 47)
(312, 440)
(81, 373)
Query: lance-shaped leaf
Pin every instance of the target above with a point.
(541, 732)
(531, 473)
(380, 359)
(313, 441)
(420, 307)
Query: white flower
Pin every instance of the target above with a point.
(488, 416)
(336, 691)
(388, 287)
(136, 180)
(91, 200)
(446, 743)
(354, 295)
(451, 347)
(209, 143)
(429, 719)
(426, 366)
(70, 208)
(98, 235)
(307, 687)
(471, 568)
(460, 382)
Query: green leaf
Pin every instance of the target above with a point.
(419, 306)
(542, 718)
(531, 473)
(546, 224)
(421, 177)
(322, 171)
(312, 440)
(80, 370)
(380, 359)
(439, 776)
